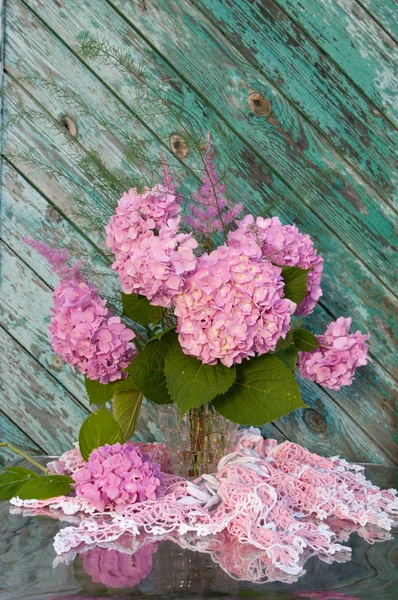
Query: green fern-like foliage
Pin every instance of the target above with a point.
(94, 194)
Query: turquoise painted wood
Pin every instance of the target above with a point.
(324, 155)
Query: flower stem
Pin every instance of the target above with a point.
(26, 457)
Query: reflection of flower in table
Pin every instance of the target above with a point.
(117, 569)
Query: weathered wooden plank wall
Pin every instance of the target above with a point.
(323, 154)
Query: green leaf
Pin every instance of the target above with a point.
(12, 480)
(42, 488)
(295, 283)
(100, 393)
(289, 357)
(126, 411)
(147, 369)
(285, 343)
(98, 429)
(192, 383)
(138, 309)
(305, 340)
(159, 335)
(264, 390)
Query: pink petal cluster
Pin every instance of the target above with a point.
(86, 334)
(118, 569)
(116, 476)
(152, 257)
(83, 331)
(284, 245)
(210, 212)
(232, 307)
(333, 364)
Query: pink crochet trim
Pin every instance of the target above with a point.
(278, 501)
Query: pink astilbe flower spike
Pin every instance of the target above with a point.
(232, 307)
(152, 257)
(210, 213)
(334, 363)
(116, 476)
(284, 245)
(57, 258)
(83, 331)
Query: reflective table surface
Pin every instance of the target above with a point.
(166, 570)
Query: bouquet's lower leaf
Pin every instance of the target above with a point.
(147, 369)
(192, 383)
(305, 340)
(295, 283)
(138, 309)
(100, 393)
(42, 488)
(264, 390)
(98, 429)
(126, 411)
(12, 480)
(289, 357)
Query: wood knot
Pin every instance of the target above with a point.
(52, 215)
(315, 421)
(56, 361)
(258, 104)
(178, 146)
(69, 124)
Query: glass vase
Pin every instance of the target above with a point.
(197, 442)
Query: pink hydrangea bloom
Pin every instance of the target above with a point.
(284, 245)
(85, 333)
(152, 257)
(333, 364)
(156, 265)
(232, 307)
(118, 475)
(210, 212)
(118, 569)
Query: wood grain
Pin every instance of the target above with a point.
(385, 13)
(36, 401)
(360, 47)
(283, 141)
(385, 399)
(12, 434)
(248, 179)
(291, 64)
(282, 165)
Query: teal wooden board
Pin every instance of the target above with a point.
(319, 179)
(249, 180)
(290, 165)
(11, 434)
(385, 13)
(319, 92)
(360, 47)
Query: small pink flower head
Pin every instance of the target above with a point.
(118, 569)
(152, 258)
(333, 364)
(83, 331)
(156, 265)
(283, 245)
(116, 476)
(232, 307)
(210, 212)
(87, 335)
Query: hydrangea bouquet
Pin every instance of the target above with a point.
(209, 306)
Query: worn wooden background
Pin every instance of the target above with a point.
(323, 155)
